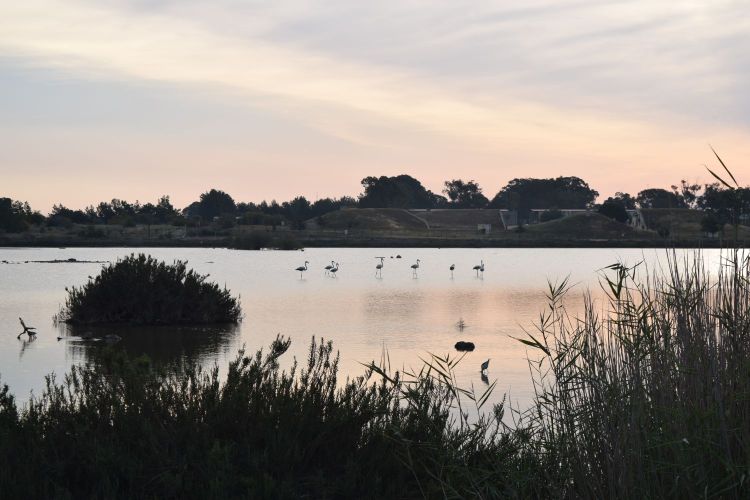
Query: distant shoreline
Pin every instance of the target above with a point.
(374, 242)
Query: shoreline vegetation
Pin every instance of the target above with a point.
(664, 228)
(399, 211)
(645, 394)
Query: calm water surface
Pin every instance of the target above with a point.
(364, 315)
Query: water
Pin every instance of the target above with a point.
(364, 316)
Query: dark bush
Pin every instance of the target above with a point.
(254, 240)
(120, 429)
(549, 215)
(287, 242)
(144, 291)
(92, 231)
(59, 221)
(614, 209)
(711, 223)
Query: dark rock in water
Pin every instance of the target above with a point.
(464, 346)
(398, 256)
(71, 259)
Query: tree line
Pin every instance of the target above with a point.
(721, 205)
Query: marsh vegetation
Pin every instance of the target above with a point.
(646, 394)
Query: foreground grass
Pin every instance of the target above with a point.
(644, 396)
(120, 430)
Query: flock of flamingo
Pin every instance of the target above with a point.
(332, 268)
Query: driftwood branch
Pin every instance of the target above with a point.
(28, 330)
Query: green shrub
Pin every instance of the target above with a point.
(142, 290)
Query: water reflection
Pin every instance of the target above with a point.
(410, 318)
(25, 344)
(168, 346)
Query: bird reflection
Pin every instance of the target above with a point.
(25, 344)
(485, 379)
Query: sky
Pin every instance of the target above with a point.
(269, 100)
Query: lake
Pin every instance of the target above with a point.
(364, 315)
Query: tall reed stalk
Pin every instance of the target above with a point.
(649, 397)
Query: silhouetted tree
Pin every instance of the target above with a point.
(561, 193)
(402, 191)
(12, 214)
(161, 213)
(297, 211)
(727, 205)
(465, 194)
(659, 198)
(60, 214)
(214, 203)
(688, 192)
(614, 208)
(627, 201)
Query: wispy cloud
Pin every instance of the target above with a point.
(136, 44)
(585, 83)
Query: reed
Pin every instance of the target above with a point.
(649, 395)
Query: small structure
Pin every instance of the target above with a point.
(484, 228)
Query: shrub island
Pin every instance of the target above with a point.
(141, 290)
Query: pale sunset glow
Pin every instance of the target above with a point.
(135, 99)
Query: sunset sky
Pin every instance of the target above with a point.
(134, 99)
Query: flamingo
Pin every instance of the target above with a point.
(379, 267)
(453, 266)
(328, 267)
(334, 270)
(302, 269)
(415, 267)
(485, 365)
(479, 268)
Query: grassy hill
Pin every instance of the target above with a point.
(460, 219)
(373, 219)
(587, 226)
(684, 224)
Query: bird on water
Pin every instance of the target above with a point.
(485, 365)
(479, 268)
(414, 268)
(328, 267)
(379, 267)
(335, 269)
(302, 269)
(453, 266)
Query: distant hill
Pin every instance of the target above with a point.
(590, 225)
(593, 226)
(372, 219)
(684, 223)
(396, 219)
(460, 219)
